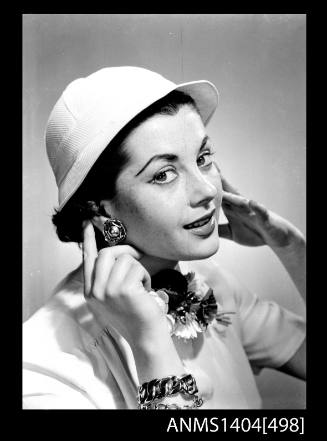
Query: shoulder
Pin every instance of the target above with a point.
(60, 324)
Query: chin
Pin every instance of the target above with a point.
(209, 250)
(203, 251)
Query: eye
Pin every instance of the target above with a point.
(204, 159)
(164, 177)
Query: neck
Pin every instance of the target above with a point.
(155, 264)
(152, 264)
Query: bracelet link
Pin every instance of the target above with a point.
(150, 393)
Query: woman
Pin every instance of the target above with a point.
(147, 321)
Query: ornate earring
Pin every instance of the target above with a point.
(114, 231)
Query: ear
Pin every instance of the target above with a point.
(105, 210)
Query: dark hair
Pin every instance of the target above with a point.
(100, 182)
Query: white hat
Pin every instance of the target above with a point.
(92, 110)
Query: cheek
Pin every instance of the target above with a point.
(143, 217)
(154, 224)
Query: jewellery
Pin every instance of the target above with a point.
(114, 231)
(197, 402)
(189, 304)
(150, 392)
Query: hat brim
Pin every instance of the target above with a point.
(203, 92)
(205, 95)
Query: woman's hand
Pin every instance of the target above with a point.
(251, 224)
(117, 287)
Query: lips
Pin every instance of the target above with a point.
(200, 222)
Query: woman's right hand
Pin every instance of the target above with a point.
(117, 285)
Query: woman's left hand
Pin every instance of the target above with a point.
(251, 224)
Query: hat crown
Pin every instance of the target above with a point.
(88, 104)
(92, 110)
(126, 82)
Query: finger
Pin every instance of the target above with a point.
(138, 274)
(127, 273)
(117, 250)
(90, 253)
(105, 263)
(224, 231)
(227, 186)
(259, 209)
(235, 201)
(231, 212)
(102, 269)
(216, 165)
(120, 269)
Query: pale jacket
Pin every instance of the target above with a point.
(73, 360)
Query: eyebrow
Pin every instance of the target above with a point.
(170, 157)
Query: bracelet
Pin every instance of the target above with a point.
(197, 402)
(150, 392)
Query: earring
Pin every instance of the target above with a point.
(114, 231)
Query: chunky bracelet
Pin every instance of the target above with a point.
(149, 393)
(197, 402)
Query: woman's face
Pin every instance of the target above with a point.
(169, 183)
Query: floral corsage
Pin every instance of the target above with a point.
(189, 304)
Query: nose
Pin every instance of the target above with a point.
(201, 191)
